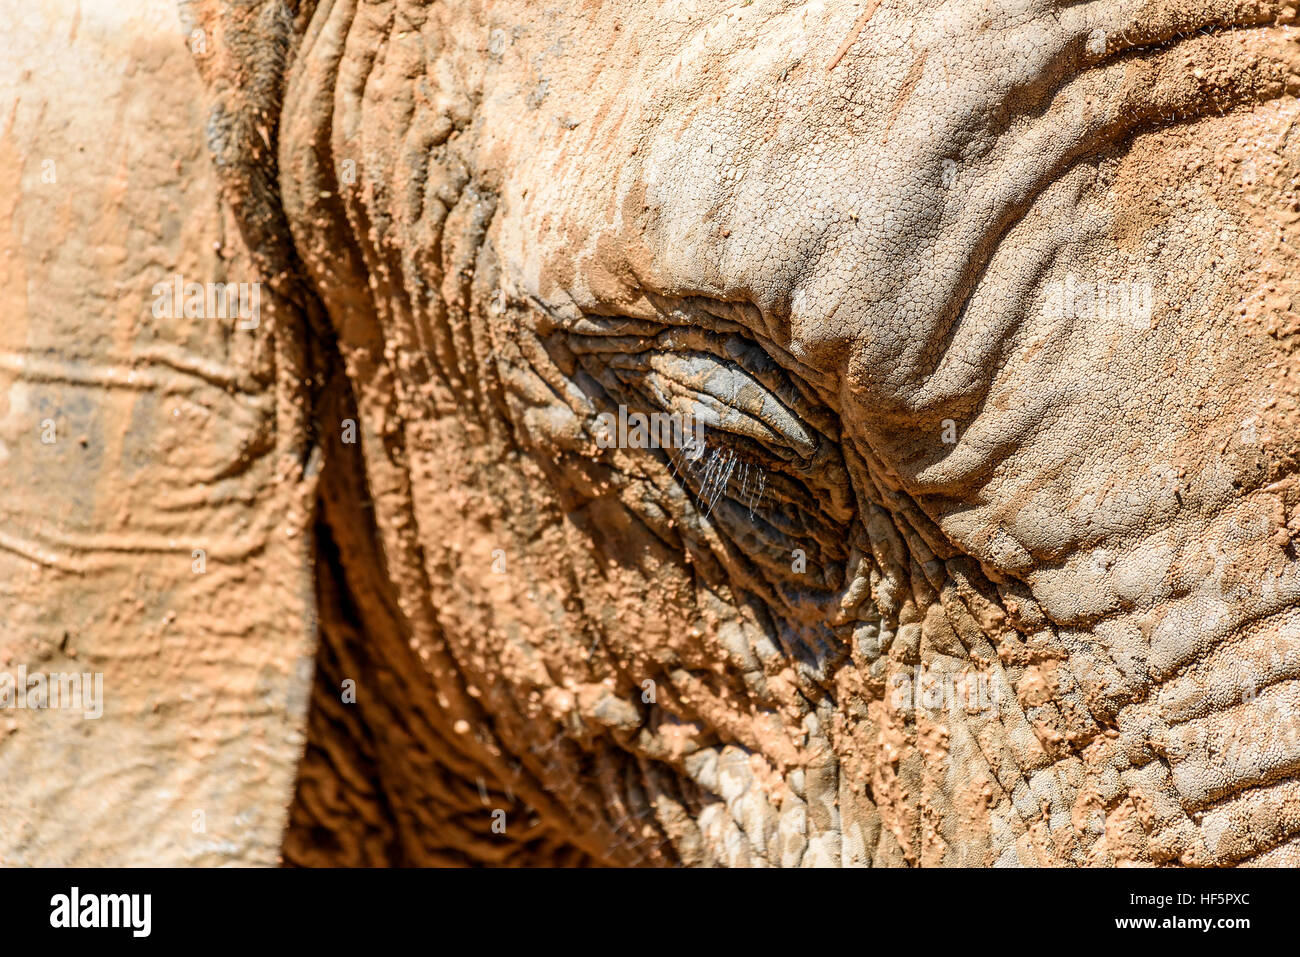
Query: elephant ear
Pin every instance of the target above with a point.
(157, 465)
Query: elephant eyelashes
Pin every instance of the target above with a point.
(720, 473)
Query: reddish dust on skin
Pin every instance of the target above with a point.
(522, 690)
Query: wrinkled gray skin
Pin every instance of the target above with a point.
(836, 232)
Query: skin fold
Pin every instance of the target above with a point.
(987, 309)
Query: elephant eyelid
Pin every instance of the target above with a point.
(724, 397)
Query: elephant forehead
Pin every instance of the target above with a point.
(847, 169)
(752, 157)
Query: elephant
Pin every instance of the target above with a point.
(656, 433)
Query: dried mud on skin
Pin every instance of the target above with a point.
(477, 227)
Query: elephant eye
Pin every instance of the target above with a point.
(722, 396)
(725, 382)
(769, 467)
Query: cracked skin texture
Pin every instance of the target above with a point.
(835, 229)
